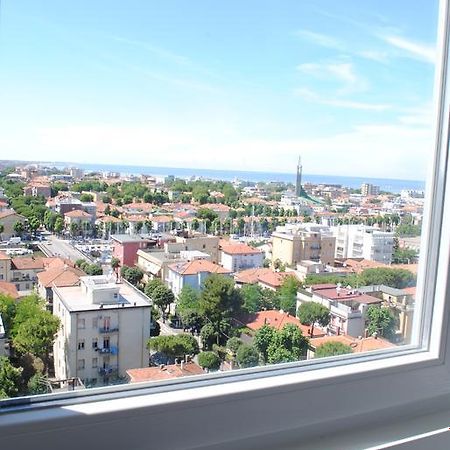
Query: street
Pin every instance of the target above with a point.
(54, 246)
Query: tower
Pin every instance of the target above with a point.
(298, 184)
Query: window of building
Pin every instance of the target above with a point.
(80, 364)
(80, 345)
(94, 343)
(94, 363)
(95, 322)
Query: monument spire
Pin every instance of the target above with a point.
(298, 184)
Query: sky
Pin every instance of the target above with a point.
(245, 85)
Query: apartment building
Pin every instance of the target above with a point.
(368, 189)
(359, 241)
(347, 307)
(292, 244)
(236, 257)
(126, 247)
(104, 330)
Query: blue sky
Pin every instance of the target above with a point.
(229, 85)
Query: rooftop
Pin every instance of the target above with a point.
(240, 249)
(343, 294)
(124, 238)
(358, 345)
(197, 266)
(75, 300)
(77, 213)
(60, 276)
(278, 320)
(164, 372)
(9, 289)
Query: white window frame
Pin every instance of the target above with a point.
(289, 402)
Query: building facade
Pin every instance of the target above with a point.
(104, 330)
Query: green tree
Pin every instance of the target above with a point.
(162, 297)
(133, 275)
(287, 345)
(404, 256)
(233, 344)
(18, 228)
(310, 313)
(263, 339)
(219, 301)
(209, 361)
(36, 336)
(188, 307)
(115, 265)
(247, 356)
(7, 311)
(174, 346)
(288, 294)
(151, 286)
(332, 349)
(38, 384)
(9, 378)
(92, 269)
(208, 335)
(86, 197)
(251, 295)
(397, 278)
(381, 321)
(59, 225)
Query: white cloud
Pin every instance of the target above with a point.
(311, 96)
(322, 40)
(416, 50)
(374, 55)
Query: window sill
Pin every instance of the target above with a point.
(203, 413)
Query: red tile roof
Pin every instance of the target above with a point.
(240, 249)
(274, 279)
(77, 213)
(251, 276)
(8, 288)
(27, 263)
(197, 266)
(164, 373)
(278, 320)
(344, 294)
(60, 277)
(4, 256)
(358, 345)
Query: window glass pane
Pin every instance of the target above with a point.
(200, 189)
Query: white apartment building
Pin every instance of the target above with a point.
(368, 189)
(104, 330)
(236, 257)
(359, 241)
(347, 307)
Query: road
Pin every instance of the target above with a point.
(54, 246)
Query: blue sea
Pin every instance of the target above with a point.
(386, 184)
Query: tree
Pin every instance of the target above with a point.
(174, 346)
(288, 294)
(263, 339)
(92, 269)
(188, 307)
(233, 344)
(133, 275)
(247, 356)
(287, 345)
(115, 264)
(38, 384)
(151, 286)
(208, 335)
(397, 278)
(59, 225)
(381, 321)
(9, 378)
(36, 336)
(18, 228)
(86, 197)
(162, 297)
(251, 295)
(332, 349)
(209, 361)
(74, 229)
(219, 301)
(404, 256)
(7, 311)
(310, 313)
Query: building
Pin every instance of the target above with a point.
(347, 307)
(79, 218)
(126, 247)
(38, 189)
(236, 257)
(368, 190)
(164, 372)
(290, 245)
(358, 345)
(104, 330)
(359, 241)
(5, 267)
(8, 218)
(298, 180)
(191, 273)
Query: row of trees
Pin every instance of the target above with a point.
(31, 330)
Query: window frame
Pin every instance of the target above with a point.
(310, 397)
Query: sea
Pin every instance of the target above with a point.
(386, 184)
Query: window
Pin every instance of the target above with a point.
(80, 364)
(80, 345)
(94, 343)
(354, 388)
(95, 322)
(94, 363)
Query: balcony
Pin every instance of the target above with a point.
(108, 370)
(108, 329)
(113, 350)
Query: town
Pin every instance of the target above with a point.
(107, 278)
